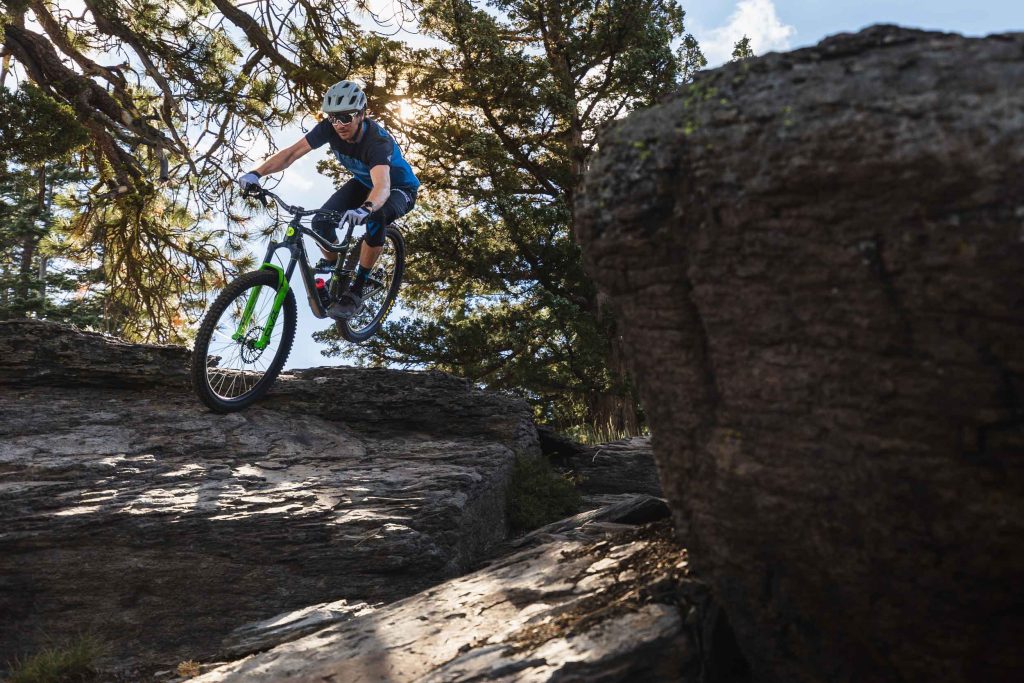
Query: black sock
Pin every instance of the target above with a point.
(360, 282)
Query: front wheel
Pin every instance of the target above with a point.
(381, 288)
(241, 347)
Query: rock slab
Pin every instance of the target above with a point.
(618, 608)
(820, 269)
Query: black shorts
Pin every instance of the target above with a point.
(351, 196)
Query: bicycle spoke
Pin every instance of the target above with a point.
(241, 365)
(374, 303)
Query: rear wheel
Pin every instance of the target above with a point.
(381, 288)
(231, 368)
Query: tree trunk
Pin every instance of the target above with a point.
(616, 411)
(4, 69)
(29, 244)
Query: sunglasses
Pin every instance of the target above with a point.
(343, 118)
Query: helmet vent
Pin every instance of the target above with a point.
(343, 96)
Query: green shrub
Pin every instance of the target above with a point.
(71, 663)
(539, 495)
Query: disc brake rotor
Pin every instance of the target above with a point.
(249, 352)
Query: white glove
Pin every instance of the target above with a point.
(356, 216)
(249, 180)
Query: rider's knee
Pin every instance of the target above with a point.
(325, 228)
(375, 233)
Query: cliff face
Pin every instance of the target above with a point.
(132, 512)
(819, 269)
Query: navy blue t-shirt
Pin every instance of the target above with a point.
(374, 148)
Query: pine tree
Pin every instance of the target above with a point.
(691, 57)
(173, 96)
(35, 167)
(742, 50)
(510, 111)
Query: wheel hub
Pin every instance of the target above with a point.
(250, 353)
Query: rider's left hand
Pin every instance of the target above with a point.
(249, 181)
(356, 216)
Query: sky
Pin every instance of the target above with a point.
(778, 25)
(771, 25)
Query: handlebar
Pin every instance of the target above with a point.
(262, 193)
(297, 211)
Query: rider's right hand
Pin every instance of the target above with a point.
(249, 181)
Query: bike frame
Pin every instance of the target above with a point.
(297, 248)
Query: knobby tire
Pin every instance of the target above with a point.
(239, 289)
(392, 236)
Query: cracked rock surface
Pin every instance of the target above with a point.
(620, 607)
(820, 278)
(130, 511)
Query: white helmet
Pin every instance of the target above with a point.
(344, 96)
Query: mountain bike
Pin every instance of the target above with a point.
(247, 334)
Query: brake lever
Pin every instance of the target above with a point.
(259, 193)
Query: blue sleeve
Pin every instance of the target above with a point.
(379, 151)
(320, 135)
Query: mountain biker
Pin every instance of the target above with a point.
(383, 186)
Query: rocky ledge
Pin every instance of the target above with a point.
(133, 513)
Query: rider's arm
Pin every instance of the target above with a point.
(284, 158)
(380, 175)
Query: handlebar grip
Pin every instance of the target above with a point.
(257, 192)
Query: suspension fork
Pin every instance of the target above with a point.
(283, 277)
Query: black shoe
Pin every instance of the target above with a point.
(347, 305)
(324, 266)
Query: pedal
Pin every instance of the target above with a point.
(324, 267)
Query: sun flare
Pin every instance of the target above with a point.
(406, 110)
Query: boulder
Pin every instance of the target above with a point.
(36, 352)
(132, 512)
(604, 471)
(288, 626)
(617, 467)
(620, 607)
(820, 276)
(620, 517)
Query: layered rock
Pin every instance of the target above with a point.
(820, 274)
(132, 512)
(617, 467)
(34, 353)
(618, 518)
(607, 472)
(618, 608)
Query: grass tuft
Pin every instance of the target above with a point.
(189, 669)
(594, 434)
(74, 662)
